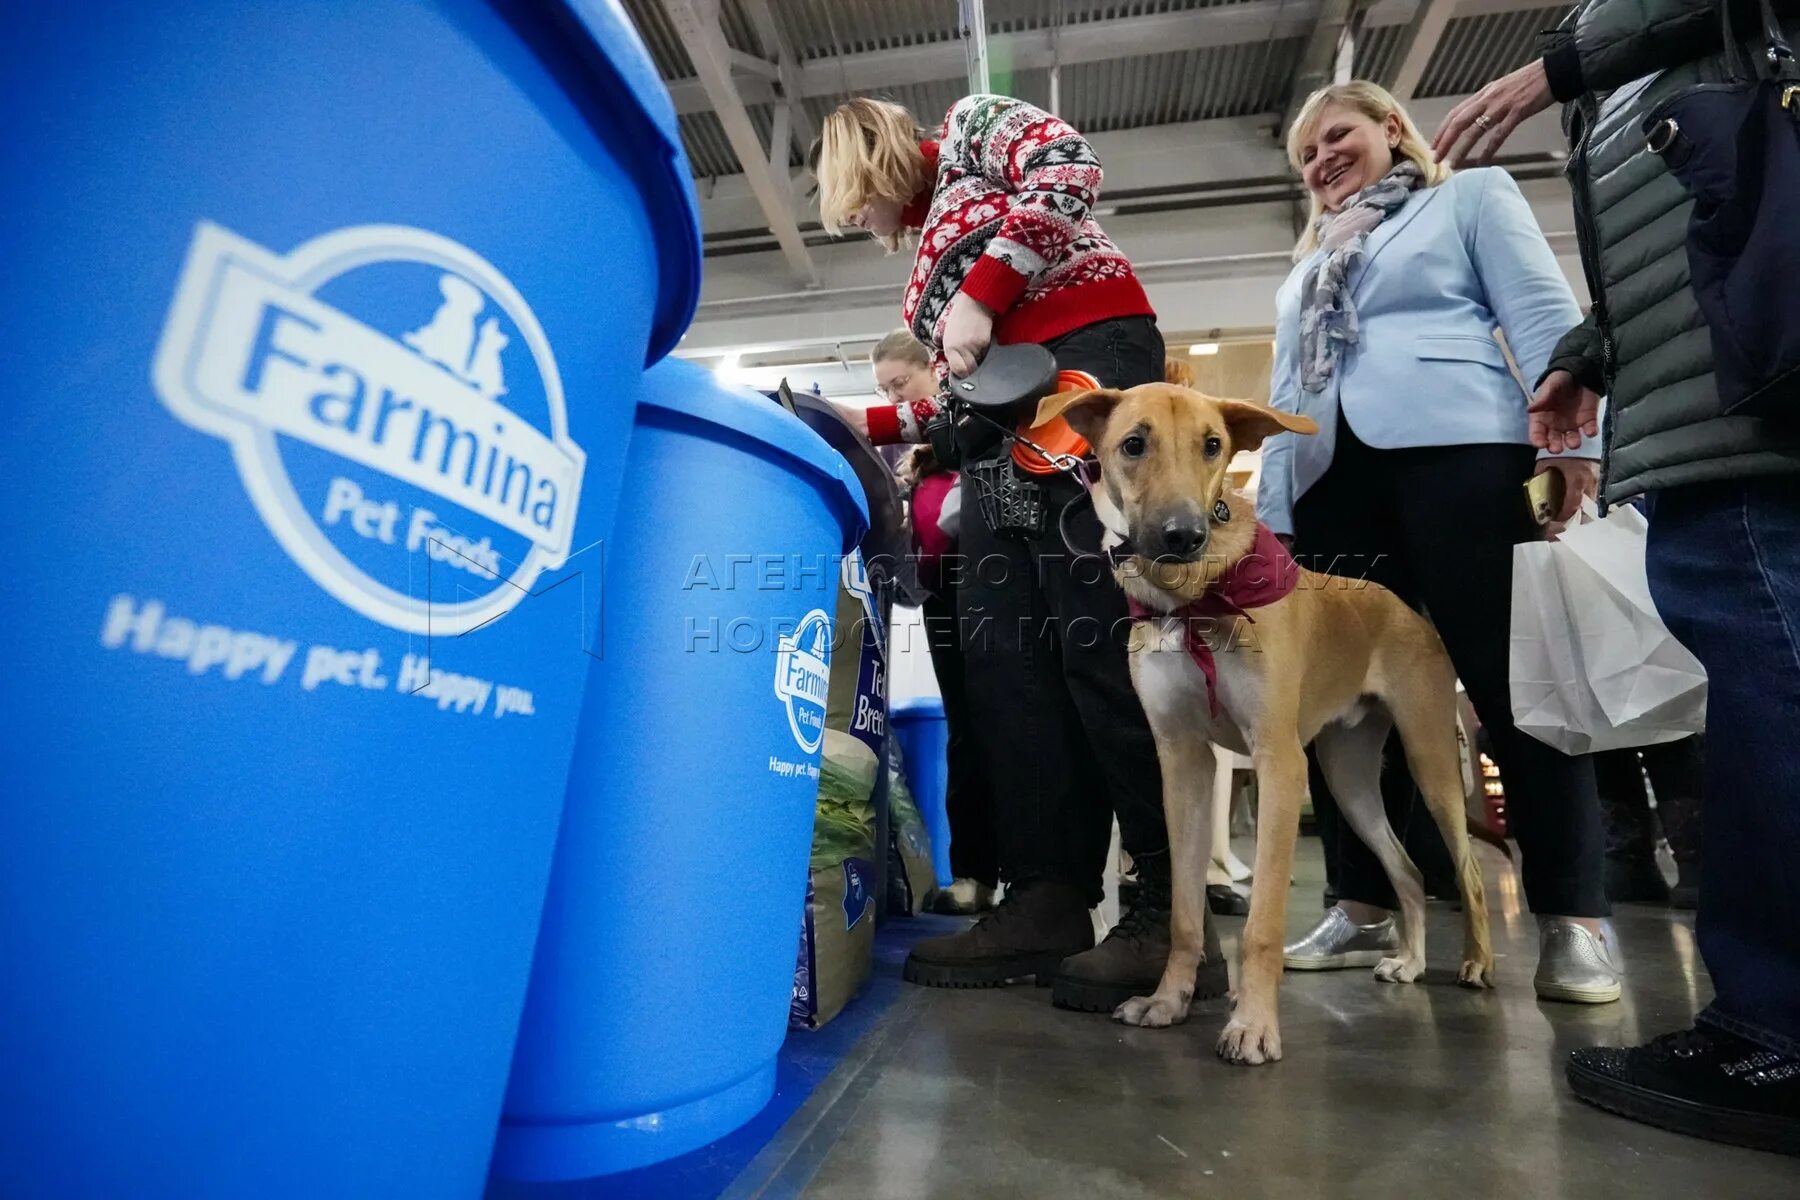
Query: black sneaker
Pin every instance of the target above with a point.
(1702, 1082)
(1226, 901)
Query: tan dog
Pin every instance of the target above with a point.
(1336, 663)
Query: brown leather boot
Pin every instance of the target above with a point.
(1130, 963)
(1037, 925)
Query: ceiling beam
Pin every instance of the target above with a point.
(1320, 60)
(776, 45)
(1252, 22)
(709, 334)
(1093, 41)
(704, 41)
(1423, 33)
(745, 63)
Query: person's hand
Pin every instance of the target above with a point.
(1581, 477)
(968, 328)
(1491, 115)
(1561, 412)
(853, 415)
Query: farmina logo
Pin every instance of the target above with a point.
(803, 678)
(394, 410)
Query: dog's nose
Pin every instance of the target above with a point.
(1183, 537)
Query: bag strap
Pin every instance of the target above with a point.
(1776, 60)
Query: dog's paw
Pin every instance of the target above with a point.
(1250, 1042)
(1399, 970)
(1476, 974)
(1151, 1012)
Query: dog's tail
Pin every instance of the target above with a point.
(1482, 833)
(1180, 372)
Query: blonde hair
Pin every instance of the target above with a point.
(867, 148)
(901, 346)
(1376, 103)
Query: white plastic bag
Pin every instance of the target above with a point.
(1593, 667)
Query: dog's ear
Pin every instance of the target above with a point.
(1086, 412)
(1250, 423)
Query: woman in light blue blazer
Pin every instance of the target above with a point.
(1385, 335)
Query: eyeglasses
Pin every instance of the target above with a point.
(888, 391)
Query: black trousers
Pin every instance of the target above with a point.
(1064, 740)
(1437, 525)
(968, 801)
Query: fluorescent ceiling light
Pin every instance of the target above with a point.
(1203, 349)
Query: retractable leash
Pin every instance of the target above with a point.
(1011, 506)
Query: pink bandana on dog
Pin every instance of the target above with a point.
(1263, 576)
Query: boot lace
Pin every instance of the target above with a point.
(1140, 922)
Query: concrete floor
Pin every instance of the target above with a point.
(1386, 1091)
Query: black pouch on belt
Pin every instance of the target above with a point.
(958, 436)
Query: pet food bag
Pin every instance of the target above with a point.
(911, 876)
(837, 934)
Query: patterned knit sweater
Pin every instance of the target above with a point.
(1008, 221)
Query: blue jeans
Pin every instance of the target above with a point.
(1724, 567)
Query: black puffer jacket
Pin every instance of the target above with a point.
(1645, 343)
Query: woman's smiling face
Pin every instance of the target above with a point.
(1345, 153)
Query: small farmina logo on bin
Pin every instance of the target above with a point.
(803, 677)
(394, 411)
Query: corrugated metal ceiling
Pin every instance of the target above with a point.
(1125, 93)
(1478, 49)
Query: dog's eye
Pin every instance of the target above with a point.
(1133, 446)
(1213, 446)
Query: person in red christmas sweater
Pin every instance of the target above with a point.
(998, 204)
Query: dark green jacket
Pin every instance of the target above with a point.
(1644, 343)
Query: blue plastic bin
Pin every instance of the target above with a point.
(325, 324)
(925, 744)
(659, 994)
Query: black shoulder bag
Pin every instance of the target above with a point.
(1735, 147)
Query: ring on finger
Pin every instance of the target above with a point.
(1484, 122)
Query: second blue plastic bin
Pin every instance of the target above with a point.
(660, 990)
(925, 743)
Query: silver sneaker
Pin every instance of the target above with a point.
(1574, 965)
(1337, 942)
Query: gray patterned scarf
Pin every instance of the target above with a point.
(1327, 316)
